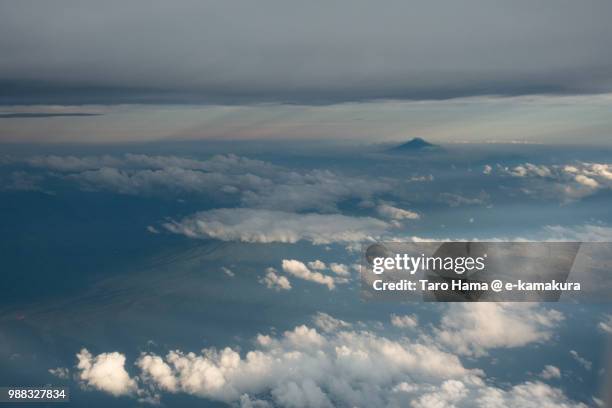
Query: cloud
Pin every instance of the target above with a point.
(171, 180)
(228, 271)
(299, 270)
(34, 115)
(303, 368)
(339, 269)
(404, 322)
(526, 395)
(219, 163)
(581, 360)
(395, 213)
(315, 189)
(456, 200)
(571, 181)
(20, 181)
(155, 370)
(273, 281)
(319, 60)
(318, 265)
(329, 323)
(581, 233)
(606, 324)
(474, 328)
(550, 372)
(266, 226)
(105, 372)
(62, 373)
(254, 183)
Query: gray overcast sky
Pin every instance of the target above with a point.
(475, 70)
(309, 52)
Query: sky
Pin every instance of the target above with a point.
(475, 71)
(186, 187)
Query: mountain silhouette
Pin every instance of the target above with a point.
(415, 145)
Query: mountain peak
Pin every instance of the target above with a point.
(416, 144)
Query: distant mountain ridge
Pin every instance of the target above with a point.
(417, 144)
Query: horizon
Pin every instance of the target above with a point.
(205, 203)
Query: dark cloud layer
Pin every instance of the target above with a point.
(307, 52)
(30, 115)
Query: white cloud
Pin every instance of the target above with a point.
(341, 367)
(273, 281)
(339, 269)
(105, 372)
(266, 226)
(571, 181)
(529, 169)
(526, 395)
(319, 190)
(550, 372)
(60, 372)
(228, 271)
(395, 213)
(169, 180)
(219, 163)
(318, 265)
(329, 323)
(473, 328)
(586, 181)
(487, 169)
(581, 360)
(299, 270)
(445, 396)
(581, 233)
(257, 184)
(606, 324)
(404, 322)
(155, 370)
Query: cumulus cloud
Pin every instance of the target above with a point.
(329, 323)
(105, 372)
(299, 270)
(550, 372)
(155, 370)
(394, 213)
(273, 281)
(571, 181)
(527, 395)
(586, 364)
(474, 328)
(266, 226)
(339, 269)
(318, 265)
(404, 322)
(303, 368)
